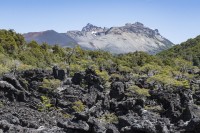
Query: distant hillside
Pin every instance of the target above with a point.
(189, 50)
(51, 37)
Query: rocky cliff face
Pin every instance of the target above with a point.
(26, 106)
(128, 38)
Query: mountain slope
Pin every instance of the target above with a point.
(51, 37)
(128, 38)
(124, 39)
(189, 50)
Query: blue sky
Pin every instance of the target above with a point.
(176, 20)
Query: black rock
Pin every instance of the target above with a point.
(75, 125)
(193, 126)
(77, 78)
(10, 78)
(117, 90)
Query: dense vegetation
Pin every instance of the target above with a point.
(169, 68)
(189, 50)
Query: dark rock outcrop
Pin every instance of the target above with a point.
(85, 106)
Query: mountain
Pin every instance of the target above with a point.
(189, 50)
(128, 38)
(124, 39)
(51, 37)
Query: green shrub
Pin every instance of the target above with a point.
(107, 85)
(124, 69)
(6, 64)
(23, 67)
(1, 104)
(103, 75)
(50, 83)
(182, 83)
(139, 91)
(109, 118)
(156, 108)
(78, 106)
(167, 79)
(116, 76)
(46, 104)
(75, 68)
(150, 67)
(3, 69)
(66, 115)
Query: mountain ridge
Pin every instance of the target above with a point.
(123, 39)
(51, 37)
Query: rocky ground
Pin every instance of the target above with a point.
(83, 105)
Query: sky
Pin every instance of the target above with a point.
(177, 20)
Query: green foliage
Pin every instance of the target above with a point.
(75, 68)
(167, 80)
(1, 104)
(124, 69)
(50, 83)
(6, 64)
(10, 41)
(46, 104)
(139, 91)
(182, 65)
(189, 50)
(116, 76)
(3, 69)
(66, 115)
(156, 108)
(136, 59)
(58, 50)
(33, 44)
(109, 118)
(103, 74)
(150, 67)
(78, 106)
(22, 67)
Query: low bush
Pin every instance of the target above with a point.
(50, 83)
(78, 106)
(109, 118)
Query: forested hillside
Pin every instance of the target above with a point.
(189, 50)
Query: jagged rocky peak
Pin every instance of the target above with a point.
(90, 27)
(121, 39)
(139, 28)
(139, 24)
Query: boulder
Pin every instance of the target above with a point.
(193, 126)
(58, 73)
(11, 92)
(146, 123)
(117, 90)
(91, 78)
(75, 125)
(191, 111)
(61, 74)
(55, 72)
(77, 78)
(10, 78)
